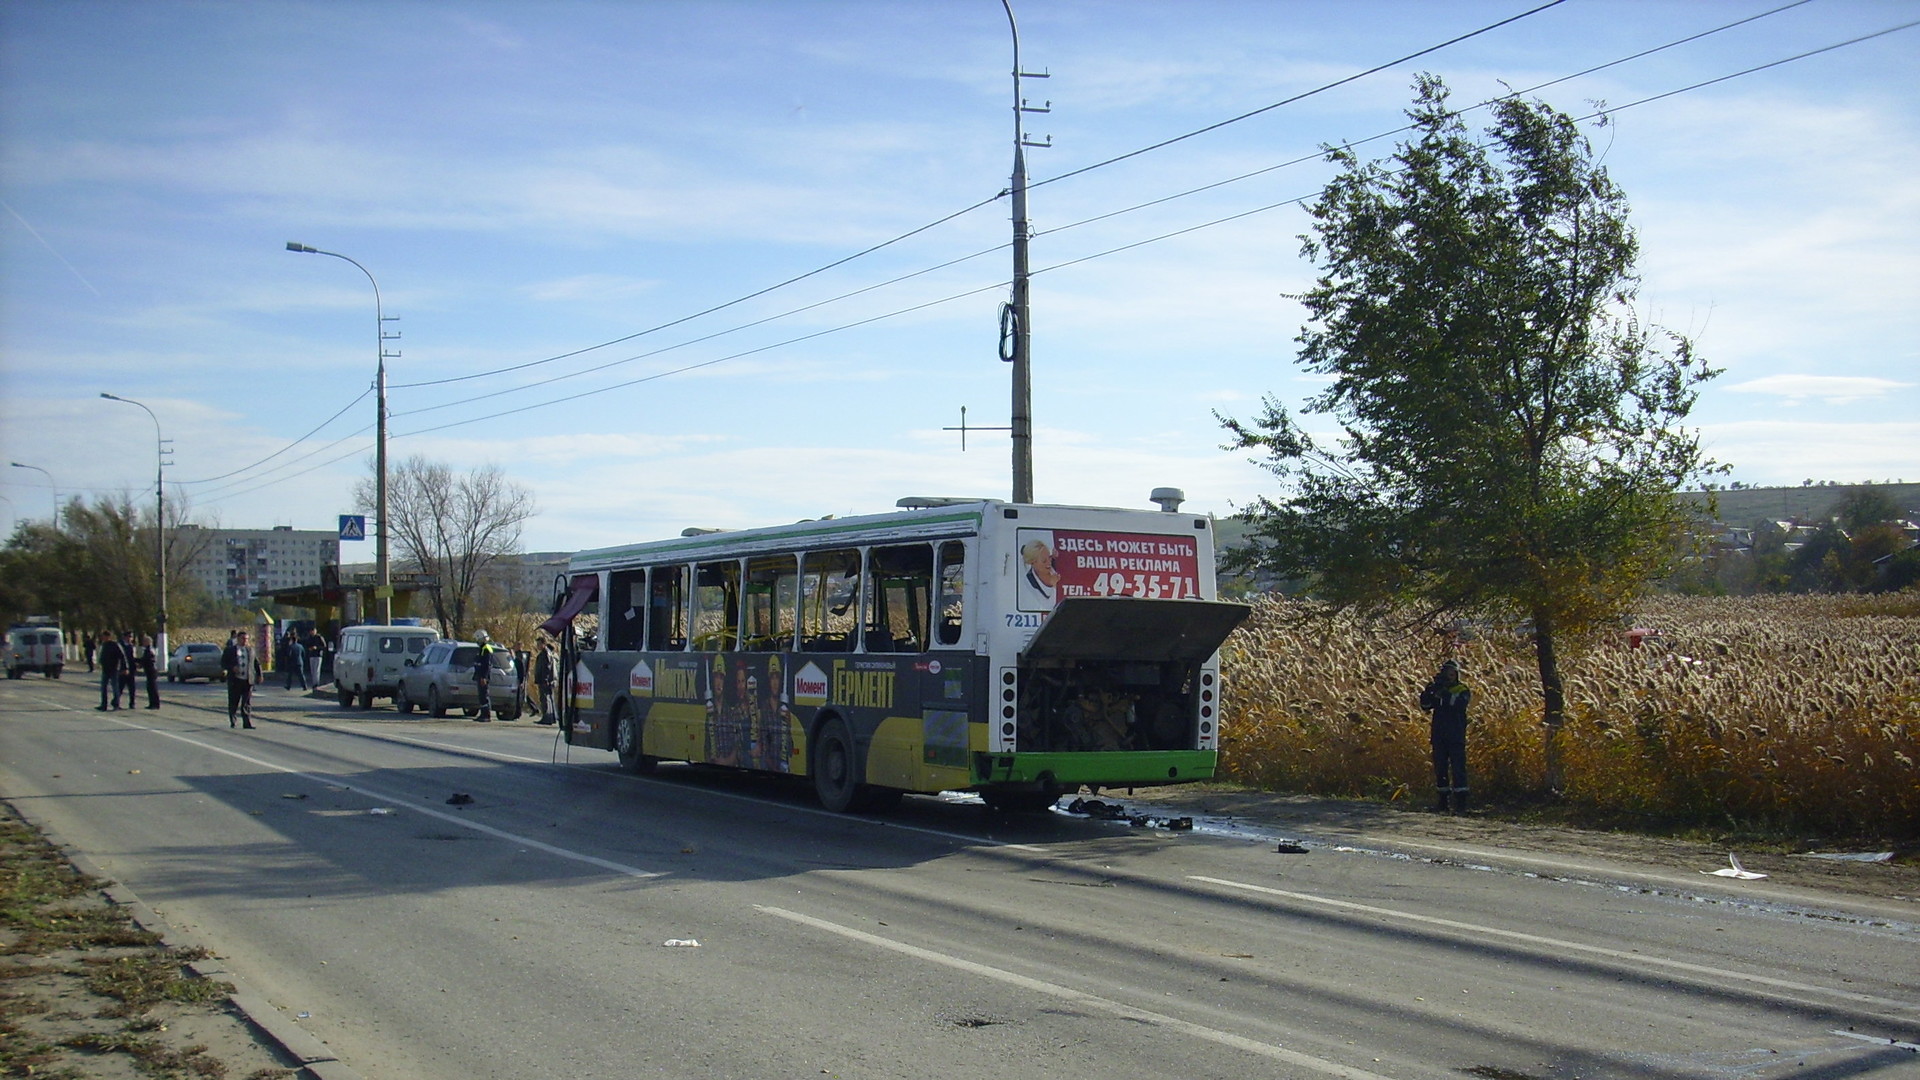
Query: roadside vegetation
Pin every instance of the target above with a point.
(86, 993)
(1783, 717)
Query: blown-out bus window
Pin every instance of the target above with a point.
(953, 592)
(901, 581)
(829, 600)
(772, 591)
(667, 609)
(716, 606)
(626, 609)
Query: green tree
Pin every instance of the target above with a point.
(1509, 443)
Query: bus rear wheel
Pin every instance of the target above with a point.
(626, 741)
(835, 767)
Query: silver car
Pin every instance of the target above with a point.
(442, 678)
(195, 661)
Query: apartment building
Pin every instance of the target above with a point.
(235, 565)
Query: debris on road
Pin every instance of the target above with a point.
(1848, 856)
(1733, 869)
(1106, 811)
(459, 798)
(680, 943)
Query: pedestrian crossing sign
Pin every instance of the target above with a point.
(353, 526)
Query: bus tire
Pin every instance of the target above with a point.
(346, 696)
(835, 767)
(626, 741)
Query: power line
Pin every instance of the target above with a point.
(969, 209)
(1376, 69)
(287, 447)
(956, 261)
(717, 307)
(1085, 221)
(1133, 244)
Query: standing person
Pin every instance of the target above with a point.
(112, 659)
(242, 668)
(482, 675)
(150, 667)
(86, 642)
(129, 672)
(316, 647)
(1446, 697)
(296, 661)
(543, 670)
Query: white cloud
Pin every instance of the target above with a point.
(1776, 453)
(1831, 389)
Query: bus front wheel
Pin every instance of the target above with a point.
(626, 742)
(835, 767)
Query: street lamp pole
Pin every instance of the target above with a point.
(159, 518)
(383, 577)
(51, 486)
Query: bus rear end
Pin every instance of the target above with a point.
(1103, 651)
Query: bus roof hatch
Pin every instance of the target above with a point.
(1132, 628)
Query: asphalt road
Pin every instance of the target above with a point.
(526, 933)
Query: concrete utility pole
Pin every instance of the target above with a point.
(1014, 329)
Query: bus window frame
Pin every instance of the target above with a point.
(661, 638)
(854, 603)
(642, 576)
(725, 637)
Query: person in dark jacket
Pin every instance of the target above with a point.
(149, 664)
(483, 675)
(243, 670)
(128, 673)
(112, 659)
(1446, 698)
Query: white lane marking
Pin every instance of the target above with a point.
(1081, 998)
(1876, 1040)
(749, 799)
(1903, 1007)
(402, 801)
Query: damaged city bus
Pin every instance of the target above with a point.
(1018, 651)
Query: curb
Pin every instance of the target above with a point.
(315, 1059)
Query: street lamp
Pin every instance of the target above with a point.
(159, 518)
(383, 579)
(50, 485)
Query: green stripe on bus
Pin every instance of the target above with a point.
(1105, 767)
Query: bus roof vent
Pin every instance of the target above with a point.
(928, 502)
(1168, 498)
(700, 532)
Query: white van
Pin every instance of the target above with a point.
(371, 659)
(35, 646)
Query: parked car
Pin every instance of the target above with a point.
(442, 679)
(195, 661)
(372, 658)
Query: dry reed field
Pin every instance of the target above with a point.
(1794, 715)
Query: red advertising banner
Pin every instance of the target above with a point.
(1064, 562)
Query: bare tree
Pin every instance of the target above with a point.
(452, 527)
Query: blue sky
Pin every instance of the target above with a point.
(526, 180)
